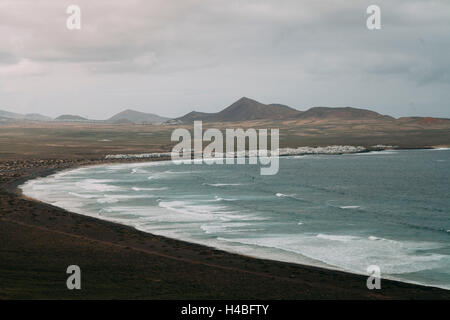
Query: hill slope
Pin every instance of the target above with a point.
(244, 109)
(70, 117)
(7, 116)
(347, 113)
(137, 117)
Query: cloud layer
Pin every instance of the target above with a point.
(172, 56)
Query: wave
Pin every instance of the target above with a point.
(117, 198)
(223, 199)
(343, 207)
(292, 196)
(354, 254)
(222, 184)
(97, 185)
(336, 237)
(185, 207)
(231, 227)
(84, 196)
(138, 170)
(149, 189)
(107, 200)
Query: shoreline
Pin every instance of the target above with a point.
(330, 288)
(314, 263)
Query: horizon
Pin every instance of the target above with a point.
(172, 58)
(104, 118)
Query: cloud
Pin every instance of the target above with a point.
(24, 67)
(185, 46)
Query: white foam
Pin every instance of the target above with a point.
(107, 200)
(331, 237)
(185, 207)
(138, 170)
(223, 199)
(222, 184)
(148, 189)
(353, 253)
(96, 185)
(113, 198)
(228, 228)
(84, 196)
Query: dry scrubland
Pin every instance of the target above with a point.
(88, 141)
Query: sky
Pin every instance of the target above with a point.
(170, 57)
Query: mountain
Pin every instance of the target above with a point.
(137, 117)
(244, 109)
(191, 117)
(11, 115)
(36, 117)
(70, 117)
(5, 120)
(347, 113)
(8, 116)
(247, 109)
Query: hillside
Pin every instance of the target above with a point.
(191, 117)
(244, 109)
(137, 117)
(347, 113)
(70, 117)
(8, 116)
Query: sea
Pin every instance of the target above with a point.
(390, 209)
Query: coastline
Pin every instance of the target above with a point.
(282, 280)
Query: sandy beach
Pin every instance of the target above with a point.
(39, 241)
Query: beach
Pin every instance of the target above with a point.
(39, 241)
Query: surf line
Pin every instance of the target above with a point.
(189, 150)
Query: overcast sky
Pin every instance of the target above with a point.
(173, 56)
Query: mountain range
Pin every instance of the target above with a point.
(125, 117)
(244, 109)
(17, 116)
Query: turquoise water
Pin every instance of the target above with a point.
(346, 212)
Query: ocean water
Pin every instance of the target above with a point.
(346, 212)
